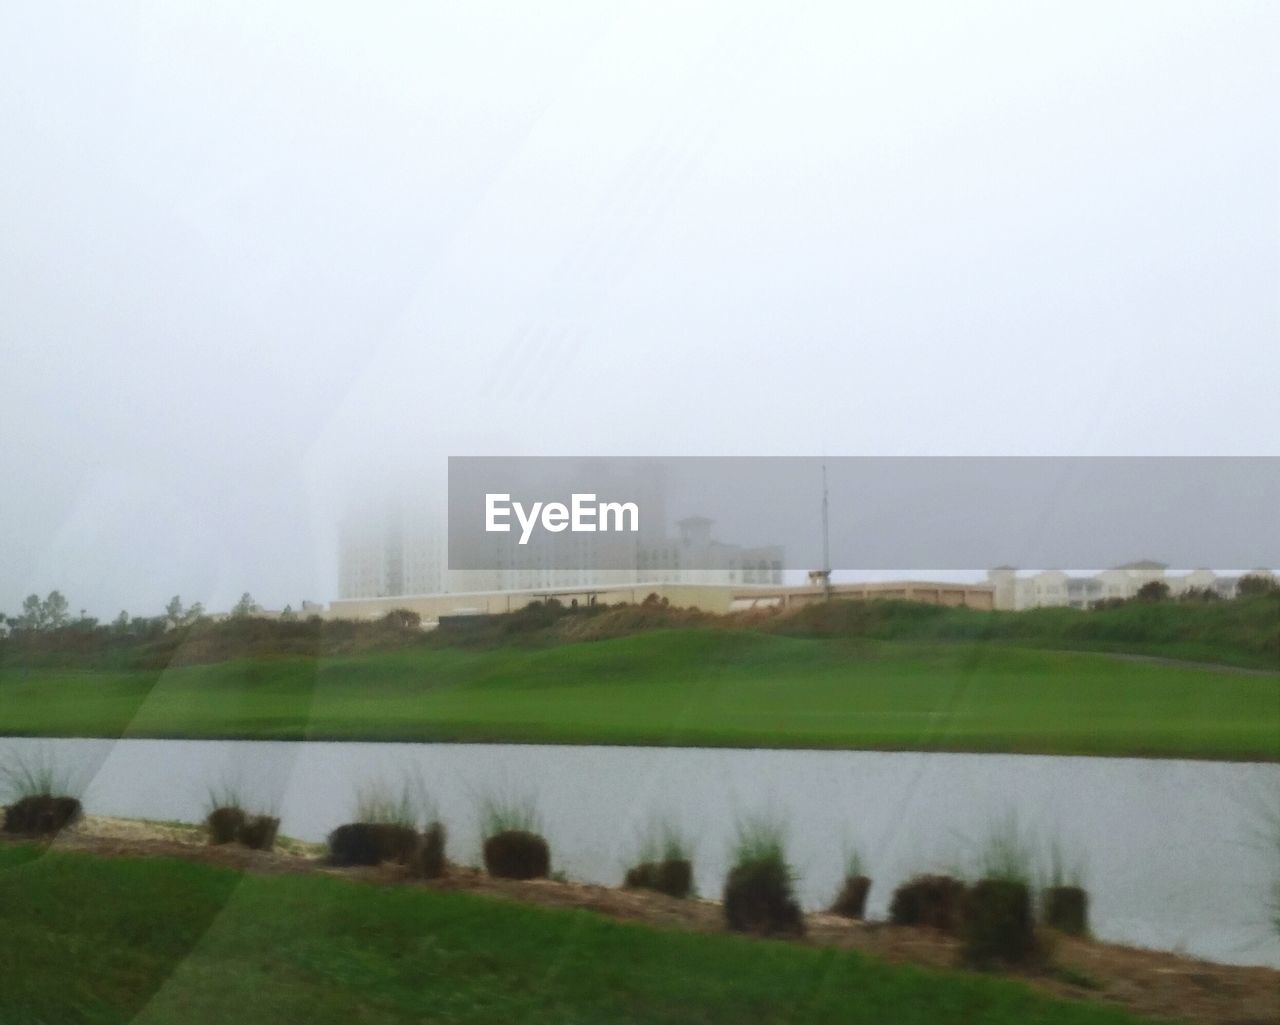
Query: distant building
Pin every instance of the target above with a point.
(391, 551)
(1053, 587)
(403, 550)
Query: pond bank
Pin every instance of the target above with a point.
(1150, 983)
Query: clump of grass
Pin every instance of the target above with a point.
(851, 901)
(514, 847)
(665, 860)
(392, 822)
(759, 838)
(228, 819)
(384, 804)
(1064, 902)
(1063, 870)
(997, 920)
(40, 798)
(35, 775)
(855, 864)
(665, 840)
(936, 901)
(507, 813)
(758, 893)
(1007, 854)
(1272, 843)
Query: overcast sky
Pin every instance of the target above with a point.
(253, 255)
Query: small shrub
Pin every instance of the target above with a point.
(998, 926)
(224, 824)
(372, 843)
(428, 858)
(41, 815)
(935, 901)
(517, 854)
(758, 894)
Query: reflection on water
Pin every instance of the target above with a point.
(1174, 854)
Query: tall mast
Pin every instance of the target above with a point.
(826, 540)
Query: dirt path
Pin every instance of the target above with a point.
(1153, 983)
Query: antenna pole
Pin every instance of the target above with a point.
(826, 540)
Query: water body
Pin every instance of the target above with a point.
(1175, 852)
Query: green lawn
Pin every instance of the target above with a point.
(690, 687)
(96, 940)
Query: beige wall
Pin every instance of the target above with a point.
(432, 607)
(974, 596)
(708, 597)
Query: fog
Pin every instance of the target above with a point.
(256, 257)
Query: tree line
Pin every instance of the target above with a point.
(42, 615)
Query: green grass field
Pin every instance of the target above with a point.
(685, 687)
(95, 940)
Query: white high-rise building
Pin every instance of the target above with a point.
(394, 550)
(402, 549)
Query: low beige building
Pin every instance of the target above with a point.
(719, 598)
(973, 596)
(1053, 587)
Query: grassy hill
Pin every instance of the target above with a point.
(695, 686)
(1244, 632)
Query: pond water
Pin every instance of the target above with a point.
(1175, 852)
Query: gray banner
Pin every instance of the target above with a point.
(923, 513)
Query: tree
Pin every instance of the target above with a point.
(246, 606)
(1252, 585)
(173, 611)
(121, 623)
(194, 613)
(55, 610)
(1153, 590)
(288, 615)
(32, 617)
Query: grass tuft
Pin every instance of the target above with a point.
(1063, 869)
(35, 775)
(759, 838)
(855, 864)
(758, 893)
(1007, 853)
(409, 804)
(664, 839)
(506, 813)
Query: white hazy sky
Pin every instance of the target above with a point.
(252, 254)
